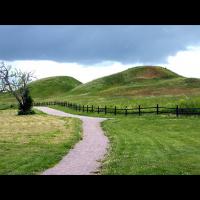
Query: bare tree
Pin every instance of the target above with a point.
(15, 82)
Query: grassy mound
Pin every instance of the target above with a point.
(52, 86)
(132, 76)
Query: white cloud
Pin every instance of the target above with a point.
(186, 63)
(84, 73)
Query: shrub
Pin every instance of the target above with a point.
(25, 108)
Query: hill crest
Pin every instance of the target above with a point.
(51, 86)
(134, 75)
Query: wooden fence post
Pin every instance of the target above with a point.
(177, 113)
(92, 109)
(126, 111)
(115, 110)
(139, 110)
(157, 109)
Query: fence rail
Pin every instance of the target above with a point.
(125, 111)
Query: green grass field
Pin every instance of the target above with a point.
(153, 145)
(148, 144)
(31, 144)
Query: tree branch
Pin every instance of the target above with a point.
(14, 81)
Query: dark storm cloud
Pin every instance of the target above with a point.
(91, 44)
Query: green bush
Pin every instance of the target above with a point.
(25, 108)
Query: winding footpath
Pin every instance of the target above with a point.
(85, 157)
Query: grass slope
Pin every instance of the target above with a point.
(133, 76)
(147, 86)
(31, 144)
(45, 88)
(52, 86)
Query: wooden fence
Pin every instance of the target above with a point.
(125, 111)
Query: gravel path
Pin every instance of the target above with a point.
(84, 158)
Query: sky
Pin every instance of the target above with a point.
(87, 52)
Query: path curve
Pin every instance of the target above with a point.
(85, 157)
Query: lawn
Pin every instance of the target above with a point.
(31, 144)
(153, 145)
(150, 144)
